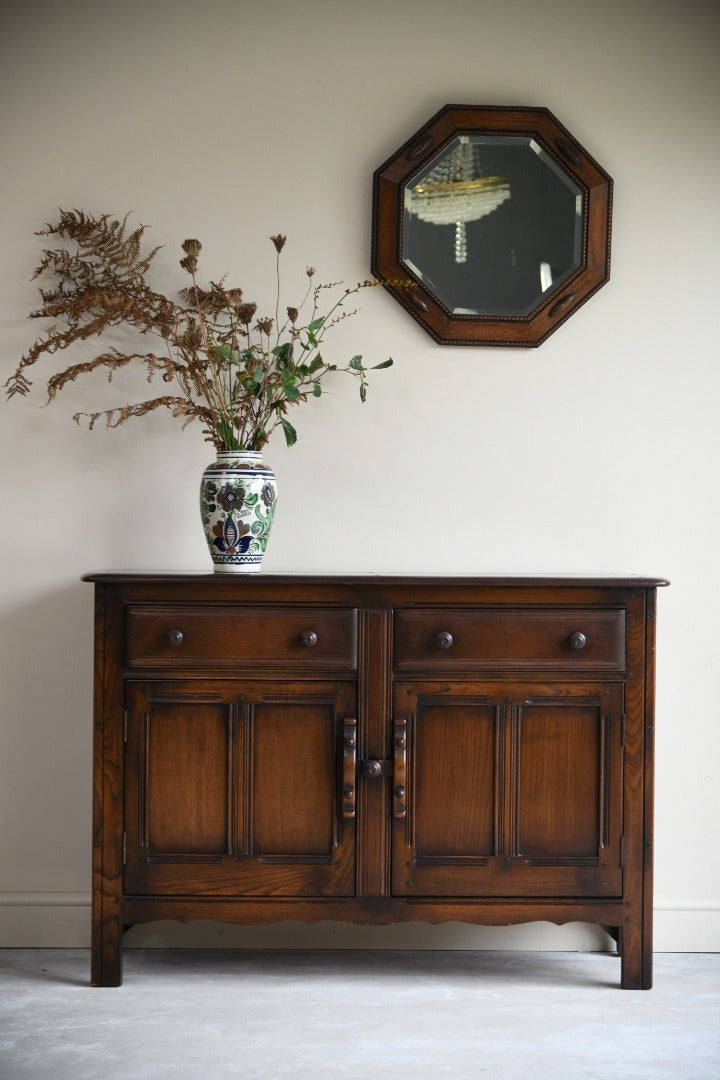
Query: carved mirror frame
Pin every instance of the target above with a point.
(538, 135)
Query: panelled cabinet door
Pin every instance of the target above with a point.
(507, 790)
(240, 789)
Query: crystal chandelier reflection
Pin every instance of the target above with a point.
(452, 193)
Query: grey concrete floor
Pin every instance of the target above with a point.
(192, 1015)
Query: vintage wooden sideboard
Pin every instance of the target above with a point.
(374, 750)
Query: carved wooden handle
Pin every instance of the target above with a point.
(400, 769)
(348, 767)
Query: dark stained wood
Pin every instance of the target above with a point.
(185, 748)
(636, 925)
(146, 584)
(454, 790)
(521, 786)
(108, 791)
(294, 779)
(99, 974)
(377, 774)
(562, 778)
(539, 638)
(173, 636)
(648, 800)
(234, 788)
(374, 744)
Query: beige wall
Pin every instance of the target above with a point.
(596, 453)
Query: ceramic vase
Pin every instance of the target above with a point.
(237, 504)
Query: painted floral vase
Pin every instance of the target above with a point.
(237, 504)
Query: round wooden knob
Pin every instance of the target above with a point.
(577, 640)
(444, 640)
(174, 637)
(371, 769)
(309, 639)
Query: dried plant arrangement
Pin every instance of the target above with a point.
(236, 373)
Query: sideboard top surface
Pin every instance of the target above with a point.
(240, 581)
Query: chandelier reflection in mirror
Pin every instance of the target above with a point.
(454, 192)
(501, 220)
(530, 246)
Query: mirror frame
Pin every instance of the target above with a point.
(554, 306)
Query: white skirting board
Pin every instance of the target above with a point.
(62, 920)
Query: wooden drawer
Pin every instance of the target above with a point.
(237, 636)
(550, 638)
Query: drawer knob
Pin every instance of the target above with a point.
(444, 640)
(309, 639)
(577, 640)
(372, 769)
(174, 637)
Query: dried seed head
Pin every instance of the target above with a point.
(279, 242)
(265, 325)
(309, 270)
(191, 247)
(246, 312)
(292, 314)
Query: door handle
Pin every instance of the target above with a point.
(400, 769)
(349, 759)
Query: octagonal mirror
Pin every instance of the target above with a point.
(498, 218)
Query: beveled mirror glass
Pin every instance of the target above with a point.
(499, 218)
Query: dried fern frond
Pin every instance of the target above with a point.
(103, 239)
(236, 374)
(115, 417)
(112, 360)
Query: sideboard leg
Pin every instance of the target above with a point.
(106, 953)
(636, 959)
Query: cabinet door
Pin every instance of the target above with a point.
(236, 789)
(505, 790)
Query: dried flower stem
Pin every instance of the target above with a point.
(239, 386)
